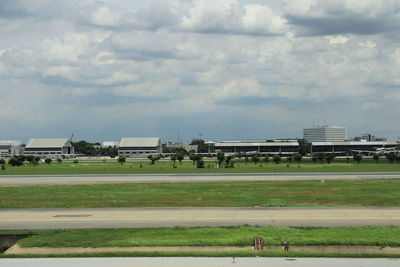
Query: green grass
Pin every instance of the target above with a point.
(237, 254)
(133, 167)
(214, 194)
(214, 236)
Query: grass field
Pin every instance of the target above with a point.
(217, 194)
(237, 254)
(143, 167)
(214, 236)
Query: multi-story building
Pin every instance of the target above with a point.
(325, 134)
(10, 148)
(261, 147)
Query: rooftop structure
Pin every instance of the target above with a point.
(350, 148)
(139, 147)
(262, 148)
(325, 134)
(49, 147)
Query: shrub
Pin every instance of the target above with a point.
(15, 162)
(2, 161)
(200, 163)
(76, 161)
(48, 161)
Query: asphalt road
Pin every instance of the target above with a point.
(170, 217)
(10, 180)
(199, 262)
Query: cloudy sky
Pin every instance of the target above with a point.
(221, 69)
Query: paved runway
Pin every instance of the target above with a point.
(199, 262)
(9, 180)
(170, 217)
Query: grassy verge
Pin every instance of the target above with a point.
(272, 253)
(339, 165)
(216, 194)
(214, 236)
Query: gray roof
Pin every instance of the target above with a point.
(48, 142)
(229, 144)
(376, 143)
(10, 142)
(140, 142)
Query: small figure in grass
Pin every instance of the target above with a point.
(285, 245)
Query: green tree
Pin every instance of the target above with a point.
(321, 157)
(255, 159)
(277, 159)
(375, 157)
(199, 162)
(15, 162)
(391, 157)
(357, 157)
(85, 148)
(2, 161)
(220, 158)
(3, 167)
(314, 159)
(48, 161)
(174, 158)
(289, 159)
(202, 147)
(228, 159)
(246, 159)
(297, 158)
(329, 157)
(59, 160)
(266, 159)
(304, 147)
(30, 158)
(121, 160)
(180, 157)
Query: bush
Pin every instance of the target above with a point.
(48, 161)
(276, 159)
(3, 167)
(2, 161)
(76, 161)
(200, 163)
(15, 162)
(59, 160)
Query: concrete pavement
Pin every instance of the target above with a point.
(20, 180)
(170, 217)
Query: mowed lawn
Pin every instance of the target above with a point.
(214, 194)
(143, 167)
(213, 236)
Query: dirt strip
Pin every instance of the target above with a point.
(321, 249)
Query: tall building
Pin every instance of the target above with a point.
(325, 134)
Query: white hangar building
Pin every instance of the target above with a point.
(139, 147)
(53, 148)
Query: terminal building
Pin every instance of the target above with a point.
(10, 148)
(49, 148)
(325, 134)
(261, 147)
(351, 148)
(139, 147)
